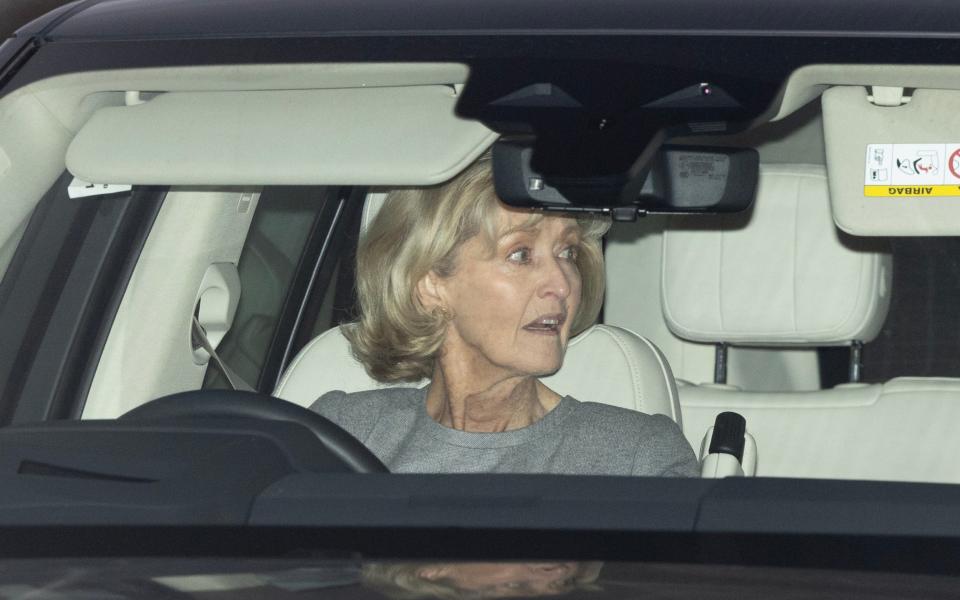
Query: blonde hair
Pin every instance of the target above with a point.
(402, 581)
(419, 230)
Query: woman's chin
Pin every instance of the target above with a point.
(546, 357)
(543, 367)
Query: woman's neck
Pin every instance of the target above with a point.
(462, 401)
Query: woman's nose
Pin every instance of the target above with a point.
(555, 279)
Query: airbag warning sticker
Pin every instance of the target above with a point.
(909, 170)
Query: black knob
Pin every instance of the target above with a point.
(728, 432)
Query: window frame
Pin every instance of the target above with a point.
(312, 277)
(61, 293)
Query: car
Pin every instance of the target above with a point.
(184, 186)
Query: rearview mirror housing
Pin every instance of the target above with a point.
(676, 179)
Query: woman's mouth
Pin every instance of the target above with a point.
(546, 324)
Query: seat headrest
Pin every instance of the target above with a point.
(780, 274)
(603, 364)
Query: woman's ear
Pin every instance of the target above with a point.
(429, 291)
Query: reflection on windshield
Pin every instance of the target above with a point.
(404, 580)
(338, 579)
(475, 580)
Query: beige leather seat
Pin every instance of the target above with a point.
(604, 364)
(901, 430)
(785, 277)
(780, 275)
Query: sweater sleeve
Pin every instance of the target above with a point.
(349, 411)
(665, 452)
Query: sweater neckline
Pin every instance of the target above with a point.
(475, 439)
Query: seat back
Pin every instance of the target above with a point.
(901, 430)
(786, 277)
(779, 275)
(603, 364)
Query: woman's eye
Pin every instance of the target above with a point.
(520, 255)
(569, 253)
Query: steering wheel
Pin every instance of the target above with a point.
(230, 403)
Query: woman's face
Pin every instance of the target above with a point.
(511, 310)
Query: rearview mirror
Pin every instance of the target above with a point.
(676, 179)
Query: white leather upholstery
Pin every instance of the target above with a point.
(616, 366)
(325, 364)
(780, 275)
(903, 430)
(603, 364)
(633, 259)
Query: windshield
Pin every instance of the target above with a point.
(407, 580)
(273, 281)
(324, 578)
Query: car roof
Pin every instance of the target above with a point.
(212, 18)
(613, 57)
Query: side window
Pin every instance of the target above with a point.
(289, 269)
(919, 337)
(271, 255)
(334, 303)
(338, 304)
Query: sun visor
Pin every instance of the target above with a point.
(893, 160)
(362, 136)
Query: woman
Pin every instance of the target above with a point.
(481, 299)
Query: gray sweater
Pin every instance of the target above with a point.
(575, 438)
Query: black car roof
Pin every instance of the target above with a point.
(103, 19)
